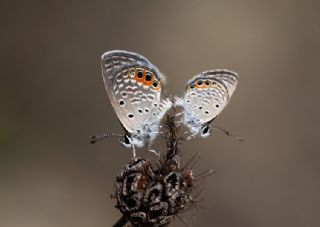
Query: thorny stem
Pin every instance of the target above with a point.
(172, 138)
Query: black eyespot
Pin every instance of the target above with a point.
(126, 140)
(217, 106)
(140, 74)
(192, 86)
(147, 110)
(200, 107)
(206, 112)
(148, 77)
(155, 104)
(188, 101)
(199, 82)
(154, 114)
(155, 83)
(130, 115)
(205, 130)
(207, 82)
(124, 94)
(140, 110)
(121, 102)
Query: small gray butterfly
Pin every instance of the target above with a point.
(206, 95)
(134, 86)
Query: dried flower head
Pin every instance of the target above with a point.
(148, 196)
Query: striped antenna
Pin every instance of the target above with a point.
(94, 139)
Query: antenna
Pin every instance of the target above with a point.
(94, 139)
(227, 133)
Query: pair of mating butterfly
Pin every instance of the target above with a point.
(134, 86)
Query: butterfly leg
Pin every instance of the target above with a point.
(155, 152)
(159, 132)
(192, 136)
(179, 122)
(178, 114)
(134, 151)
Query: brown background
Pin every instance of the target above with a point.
(53, 99)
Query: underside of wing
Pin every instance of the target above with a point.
(227, 78)
(135, 94)
(111, 61)
(208, 93)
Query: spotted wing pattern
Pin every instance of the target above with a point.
(208, 93)
(134, 88)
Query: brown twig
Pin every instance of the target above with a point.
(122, 222)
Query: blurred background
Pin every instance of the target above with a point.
(53, 98)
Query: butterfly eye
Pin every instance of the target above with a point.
(140, 74)
(205, 130)
(126, 140)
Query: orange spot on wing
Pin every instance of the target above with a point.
(200, 86)
(145, 82)
(158, 88)
(136, 78)
(143, 78)
(203, 85)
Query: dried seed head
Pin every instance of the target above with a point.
(152, 197)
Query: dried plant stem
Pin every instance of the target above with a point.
(172, 138)
(121, 222)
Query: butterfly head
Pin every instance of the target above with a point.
(131, 140)
(126, 141)
(205, 131)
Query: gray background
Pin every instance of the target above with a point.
(52, 99)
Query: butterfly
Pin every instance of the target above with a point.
(206, 95)
(134, 87)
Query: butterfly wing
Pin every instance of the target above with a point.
(134, 86)
(208, 93)
(111, 61)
